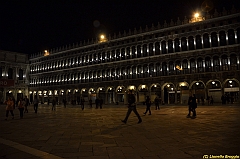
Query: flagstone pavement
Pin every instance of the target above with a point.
(91, 133)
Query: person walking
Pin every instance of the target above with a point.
(100, 103)
(82, 103)
(90, 103)
(35, 104)
(27, 103)
(157, 101)
(9, 107)
(64, 103)
(211, 100)
(54, 104)
(192, 105)
(148, 104)
(97, 102)
(21, 104)
(131, 107)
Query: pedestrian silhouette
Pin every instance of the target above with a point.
(131, 107)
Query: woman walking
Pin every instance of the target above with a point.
(9, 107)
(21, 104)
(148, 103)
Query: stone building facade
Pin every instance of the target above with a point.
(14, 69)
(171, 61)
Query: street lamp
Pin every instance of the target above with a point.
(102, 38)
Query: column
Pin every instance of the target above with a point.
(180, 45)
(226, 38)
(202, 41)
(130, 49)
(167, 47)
(218, 39)
(210, 40)
(173, 42)
(187, 44)
(147, 49)
(204, 70)
(212, 65)
(235, 35)
(154, 49)
(238, 64)
(194, 41)
(160, 47)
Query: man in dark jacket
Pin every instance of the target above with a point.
(131, 107)
(192, 105)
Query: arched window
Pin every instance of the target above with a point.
(118, 54)
(164, 69)
(224, 63)
(178, 67)
(134, 69)
(103, 57)
(99, 75)
(118, 73)
(108, 56)
(200, 65)
(191, 43)
(20, 74)
(113, 55)
(99, 57)
(83, 77)
(139, 71)
(150, 49)
(103, 75)
(95, 60)
(222, 38)
(170, 46)
(158, 69)
(123, 54)
(10, 73)
(198, 42)
(134, 52)
(208, 65)
(163, 47)
(128, 73)
(145, 50)
(108, 75)
(151, 70)
(184, 44)
(123, 73)
(171, 68)
(113, 74)
(139, 51)
(177, 45)
(214, 39)
(128, 53)
(157, 48)
(231, 37)
(185, 67)
(233, 62)
(192, 66)
(145, 70)
(206, 43)
(238, 35)
(216, 64)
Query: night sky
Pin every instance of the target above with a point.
(36, 25)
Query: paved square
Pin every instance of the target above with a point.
(99, 133)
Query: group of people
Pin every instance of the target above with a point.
(192, 105)
(21, 104)
(227, 98)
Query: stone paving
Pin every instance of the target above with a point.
(99, 133)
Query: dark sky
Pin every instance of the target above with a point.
(31, 26)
